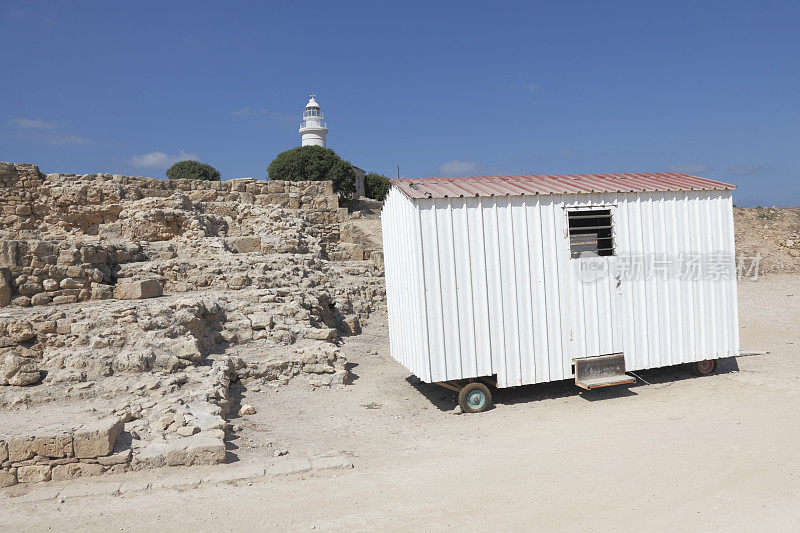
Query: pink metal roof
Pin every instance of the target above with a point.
(555, 184)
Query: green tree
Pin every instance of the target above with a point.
(314, 163)
(376, 186)
(192, 170)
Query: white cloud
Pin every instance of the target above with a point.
(160, 159)
(457, 168)
(529, 86)
(245, 112)
(69, 140)
(34, 124)
(745, 169)
(45, 131)
(690, 168)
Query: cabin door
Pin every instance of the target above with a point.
(594, 287)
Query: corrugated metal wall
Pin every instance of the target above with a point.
(482, 286)
(405, 291)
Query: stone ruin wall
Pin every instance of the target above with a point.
(141, 301)
(61, 208)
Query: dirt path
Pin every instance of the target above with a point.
(716, 453)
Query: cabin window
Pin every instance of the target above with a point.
(591, 231)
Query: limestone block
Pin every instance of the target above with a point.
(8, 171)
(42, 444)
(40, 299)
(135, 289)
(97, 438)
(75, 271)
(18, 370)
(46, 326)
(261, 320)
(3, 452)
(29, 288)
(41, 249)
(318, 368)
(134, 361)
(68, 256)
(347, 233)
(195, 450)
(243, 245)
(8, 253)
(91, 254)
(7, 479)
(322, 334)
(350, 250)
(102, 291)
(186, 348)
(33, 473)
(187, 431)
(71, 283)
(23, 210)
(118, 458)
(50, 284)
(75, 470)
(238, 281)
(65, 299)
(5, 287)
(21, 331)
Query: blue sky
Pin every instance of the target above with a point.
(439, 88)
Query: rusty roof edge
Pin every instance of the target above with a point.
(543, 184)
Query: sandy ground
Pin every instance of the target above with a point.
(714, 453)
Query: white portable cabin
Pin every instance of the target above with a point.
(519, 277)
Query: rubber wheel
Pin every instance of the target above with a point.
(704, 368)
(474, 398)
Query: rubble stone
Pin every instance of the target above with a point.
(247, 409)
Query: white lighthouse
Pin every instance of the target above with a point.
(312, 128)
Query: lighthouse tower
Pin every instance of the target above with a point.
(312, 128)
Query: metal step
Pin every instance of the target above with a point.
(601, 371)
(608, 381)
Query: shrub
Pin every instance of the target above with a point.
(314, 163)
(192, 170)
(376, 186)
